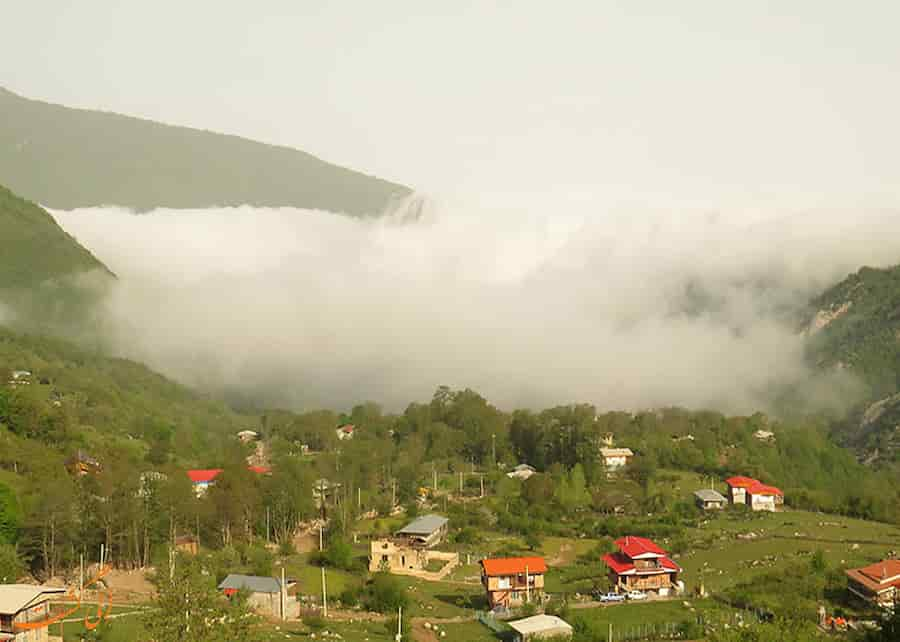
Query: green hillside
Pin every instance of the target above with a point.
(34, 249)
(113, 408)
(66, 158)
(48, 282)
(855, 326)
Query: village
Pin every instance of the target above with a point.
(465, 585)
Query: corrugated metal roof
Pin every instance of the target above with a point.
(616, 452)
(15, 597)
(541, 624)
(253, 583)
(424, 525)
(709, 495)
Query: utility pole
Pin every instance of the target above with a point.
(527, 586)
(283, 589)
(460, 482)
(324, 596)
(482, 485)
(434, 474)
(81, 579)
(320, 538)
(399, 623)
(267, 525)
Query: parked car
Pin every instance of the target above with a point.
(636, 595)
(611, 597)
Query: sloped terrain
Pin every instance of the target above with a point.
(67, 158)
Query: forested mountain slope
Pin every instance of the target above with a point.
(115, 408)
(66, 158)
(48, 282)
(34, 249)
(57, 400)
(855, 325)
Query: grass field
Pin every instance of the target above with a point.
(720, 558)
(121, 629)
(349, 631)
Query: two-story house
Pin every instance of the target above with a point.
(877, 583)
(513, 581)
(641, 565)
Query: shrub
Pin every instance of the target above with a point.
(385, 594)
(315, 622)
(350, 596)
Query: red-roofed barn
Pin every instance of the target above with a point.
(641, 565)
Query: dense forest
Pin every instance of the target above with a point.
(854, 327)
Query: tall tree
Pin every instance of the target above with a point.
(188, 607)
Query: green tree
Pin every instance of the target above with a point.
(11, 567)
(578, 487)
(10, 515)
(385, 594)
(188, 607)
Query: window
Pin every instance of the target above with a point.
(504, 583)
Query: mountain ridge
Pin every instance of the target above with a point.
(66, 158)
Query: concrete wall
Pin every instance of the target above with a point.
(400, 559)
(762, 502)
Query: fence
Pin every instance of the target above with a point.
(487, 618)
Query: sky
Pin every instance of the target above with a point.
(594, 104)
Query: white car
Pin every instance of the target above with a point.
(636, 595)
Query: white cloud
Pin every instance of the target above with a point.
(529, 304)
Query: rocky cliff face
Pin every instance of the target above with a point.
(855, 326)
(823, 318)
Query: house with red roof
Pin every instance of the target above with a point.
(877, 583)
(763, 497)
(753, 493)
(737, 489)
(641, 565)
(513, 581)
(203, 479)
(345, 432)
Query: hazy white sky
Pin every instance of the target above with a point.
(703, 103)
